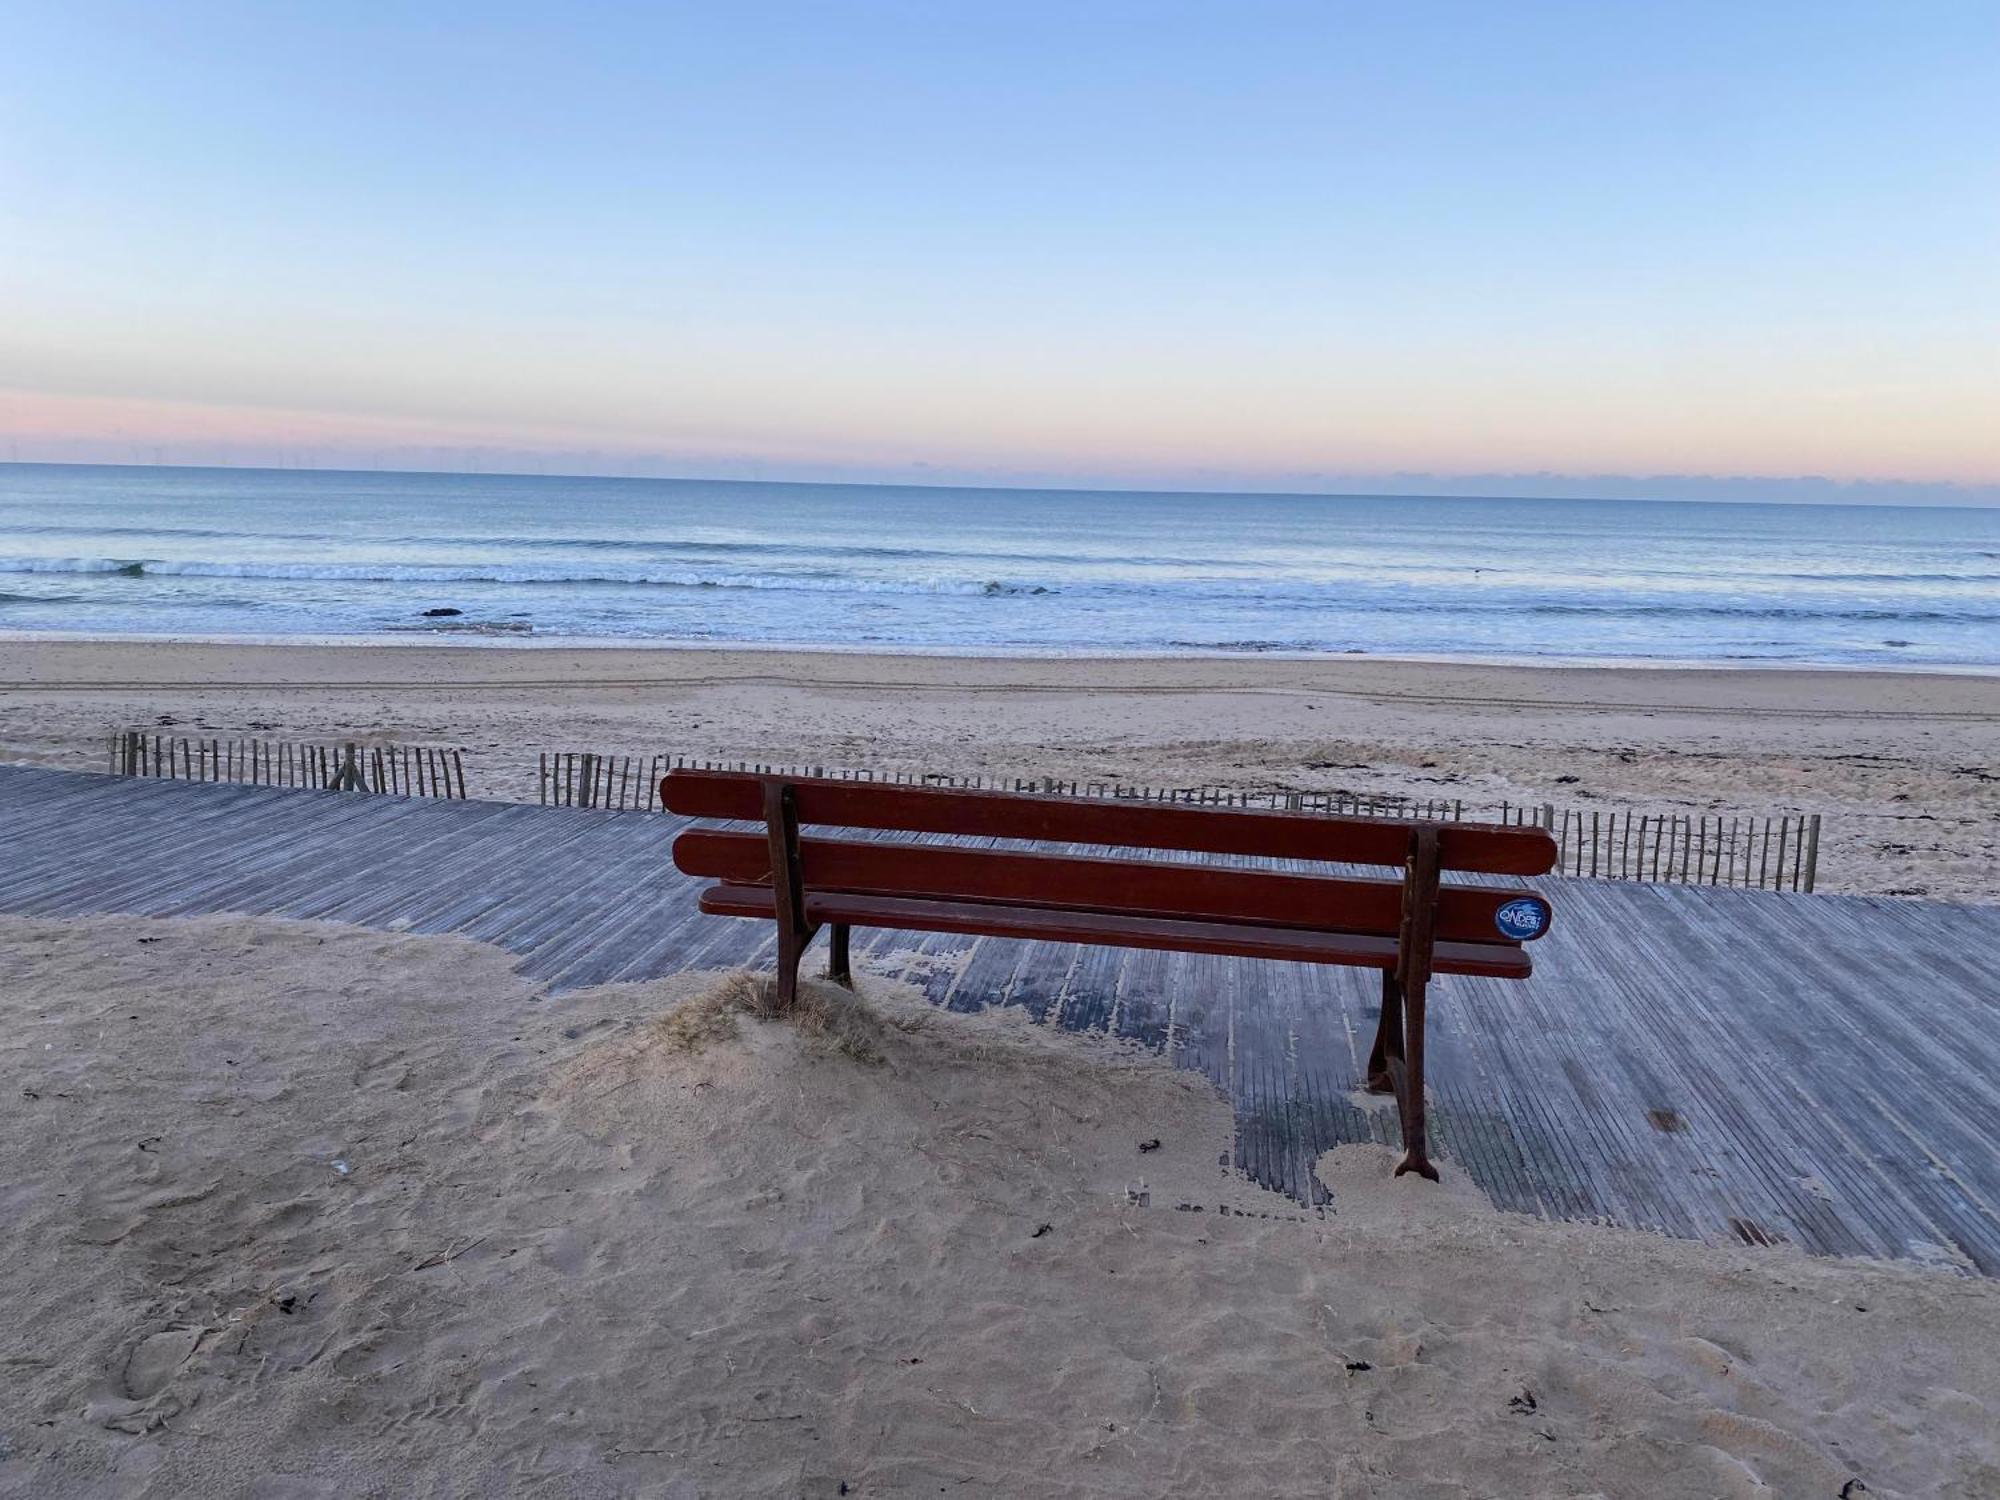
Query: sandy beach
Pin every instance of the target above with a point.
(1055, 752)
(1900, 765)
(300, 1210)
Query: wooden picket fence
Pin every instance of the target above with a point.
(1779, 853)
(613, 783)
(625, 783)
(403, 770)
(1769, 853)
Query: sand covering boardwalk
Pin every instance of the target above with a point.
(1708, 1063)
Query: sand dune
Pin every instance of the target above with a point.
(299, 1210)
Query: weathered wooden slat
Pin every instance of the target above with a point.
(1497, 960)
(1137, 887)
(1376, 841)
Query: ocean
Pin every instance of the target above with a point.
(182, 551)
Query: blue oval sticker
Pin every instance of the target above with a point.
(1521, 920)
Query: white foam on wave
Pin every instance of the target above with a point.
(550, 573)
(67, 565)
(1314, 594)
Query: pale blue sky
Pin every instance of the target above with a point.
(1295, 245)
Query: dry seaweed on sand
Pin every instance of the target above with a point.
(828, 1012)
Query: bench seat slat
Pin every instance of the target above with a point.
(1156, 888)
(1488, 848)
(1492, 960)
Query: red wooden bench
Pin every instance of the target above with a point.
(1410, 928)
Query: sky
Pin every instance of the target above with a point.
(1691, 249)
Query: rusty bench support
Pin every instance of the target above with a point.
(1396, 1063)
(836, 957)
(795, 932)
(781, 819)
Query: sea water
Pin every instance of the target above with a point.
(296, 552)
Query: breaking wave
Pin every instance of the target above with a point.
(1324, 595)
(520, 573)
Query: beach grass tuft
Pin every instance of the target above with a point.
(824, 1011)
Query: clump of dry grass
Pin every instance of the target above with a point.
(824, 1011)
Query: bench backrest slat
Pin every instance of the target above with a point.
(1133, 887)
(1484, 848)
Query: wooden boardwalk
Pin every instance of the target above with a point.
(1713, 1064)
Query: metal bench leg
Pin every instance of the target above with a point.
(1416, 1146)
(1388, 1036)
(1405, 1066)
(787, 888)
(836, 957)
(791, 947)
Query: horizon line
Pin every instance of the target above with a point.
(1115, 489)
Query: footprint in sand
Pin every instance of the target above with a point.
(142, 1402)
(154, 1363)
(110, 1215)
(388, 1070)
